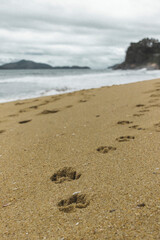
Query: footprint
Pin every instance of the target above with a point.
(13, 115)
(145, 110)
(134, 126)
(105, 149)
(153, 100)
(22, 110)
(69, 106)
(2, 131)
(153, 105)
(25, 121)
(124, 122)
(155, 95)
(65, 174)
(35, 107)
(125, 138)
(157, 126)
(138, 114)
(137, 127)
(154, 90)
(19, 103)
(75, 201)
(140, 105)
(82, 100)
(43, 103)
(49, 111)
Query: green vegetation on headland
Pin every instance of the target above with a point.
(143, 54)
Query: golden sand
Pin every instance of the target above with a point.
(82, 166)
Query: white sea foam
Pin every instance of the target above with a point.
(25, 84)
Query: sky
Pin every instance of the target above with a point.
(85, 33)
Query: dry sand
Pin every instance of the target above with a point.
(83, 165)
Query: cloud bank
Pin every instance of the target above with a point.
(59, 32)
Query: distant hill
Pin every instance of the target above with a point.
(143, 54)
(25, 64)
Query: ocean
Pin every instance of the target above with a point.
(24, 84)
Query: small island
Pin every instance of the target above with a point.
(143, 54)
(25, 64)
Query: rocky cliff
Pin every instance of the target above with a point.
(143, 54)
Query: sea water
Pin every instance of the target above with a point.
(24, 84)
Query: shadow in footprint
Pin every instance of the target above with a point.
(137, 127)
(138, 114)
(140, 105)
(125, 138)
(124, 122)
(13, 115)
(49, 111)
(157, 126)
(75, 201)
(34, 107)
(144, 110)
(69, 106)
(22, 110)
(65, 174)
(19, 103)
(25, 121)
(82, 100)
(2, 131)
(105, 149)
(155, 95)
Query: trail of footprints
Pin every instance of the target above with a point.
(76, 200)
(106, 149)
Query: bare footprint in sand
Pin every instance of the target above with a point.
(25, 121)
(69, 106)
(2, 131)
(105, 149)
(65, 174)
(22, 110)
(145, 110)
(157, 127)
(153, 100)
(70, 204)
(155, 95)
(13, 115)
(138, 114)
(140, 105)
(124, 122)
(49, 111)
(19, 103)
(137, 127)
(82, 100)
(125, 138)
(34, 107)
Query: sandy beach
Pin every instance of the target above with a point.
(82, 166)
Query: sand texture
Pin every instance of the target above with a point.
(82, 166)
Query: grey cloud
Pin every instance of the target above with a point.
(74, 32)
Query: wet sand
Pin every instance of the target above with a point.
(82, 166)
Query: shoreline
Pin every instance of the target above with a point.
(26, 85)
(74, 91)
(106, 140)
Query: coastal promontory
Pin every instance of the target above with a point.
(143, 54)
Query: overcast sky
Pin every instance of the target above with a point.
(86, 32)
